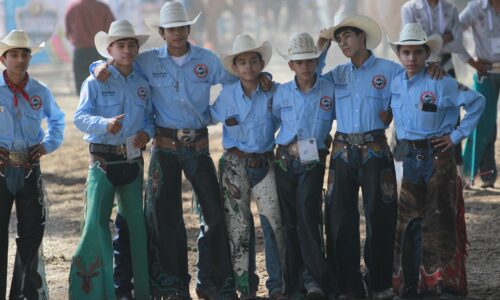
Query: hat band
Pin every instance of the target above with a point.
(301, 52)
(412, 40)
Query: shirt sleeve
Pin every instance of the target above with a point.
(473, 104)
(216, 110)
(407, 15)
(55, 124)
(466, 20)
(85, 119)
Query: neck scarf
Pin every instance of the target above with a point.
(17, 88)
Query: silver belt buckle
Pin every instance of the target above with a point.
(121, 149)
(356, 138)
(186, 135)
(19, 158)
(293, 149)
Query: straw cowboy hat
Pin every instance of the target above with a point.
(244, 43)
(369, 26)
(118, 30)
(301, 46)
(18, 39)
(414, 34)
(172, 14)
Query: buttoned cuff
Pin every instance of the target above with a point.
(456, 137)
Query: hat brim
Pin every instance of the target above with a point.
(102, 41)
(154, 24)
(434, 42)
(265, 50)
(34, 49)
(302, 56)
(368, 25)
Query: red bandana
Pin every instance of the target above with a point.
(17, 88)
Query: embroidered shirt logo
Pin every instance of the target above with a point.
(201, 70)
(142, 92)
(36, 102)
(379, 82)
(428, 97)
(326, 103)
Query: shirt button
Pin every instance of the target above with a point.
(356, 110)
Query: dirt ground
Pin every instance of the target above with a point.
(65, 173)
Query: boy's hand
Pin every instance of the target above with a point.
(37, 152)
(266, 84)
(114, 124)
(481, 67)
(101, 71)
(442, 142)
(386, 116)
(141, 139)
(436, 71)
(324, 39)
(447, 37)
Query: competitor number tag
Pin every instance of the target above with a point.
(308, 150)
(132, 152)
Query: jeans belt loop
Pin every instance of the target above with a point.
(420, 157)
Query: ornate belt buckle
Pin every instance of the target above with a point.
(186, 135)
(293, 149)
(356, 138)
(121, 149)
(18, 158)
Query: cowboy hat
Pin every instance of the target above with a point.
(18, 39)
(244, 43)
(172, 14)
(302, 47)
(118, 30)
(414, 34)
(367, 25)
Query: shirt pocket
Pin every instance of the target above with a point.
(109, 107)
(6, 126)
(342, 92)
(426, 120)
(165, 81)
(32, 123)
(288, 113)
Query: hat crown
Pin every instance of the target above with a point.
(302, 43)
(17, 38)
(172, 12)
(243, 42)
(413, 32)
(121, 28)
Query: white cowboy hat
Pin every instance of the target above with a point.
(244, 43)
(301, 47)
(172, 14)
(414, 34)
(118, 30)
(18, 39)
(368, 25)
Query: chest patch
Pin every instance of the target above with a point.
(142, 92)
(379, 82)
(201, 70)
(36, 102)
(428, 97)
(326, 103)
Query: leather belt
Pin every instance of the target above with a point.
(108, 149)
(361, 138)
(243, 155)
(167, 143)
(421, 144)
(184, 135)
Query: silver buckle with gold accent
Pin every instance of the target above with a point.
(186, 135)
(293, 149)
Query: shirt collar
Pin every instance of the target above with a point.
(367, 64)
(239, 88)
(295, 86)
(419, 4)
(193, 52)
(116, 74)
(3, 83)
(418, 76)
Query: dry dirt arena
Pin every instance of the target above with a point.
(65, 172)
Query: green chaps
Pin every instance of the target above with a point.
(91, 274)
(485, 127)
